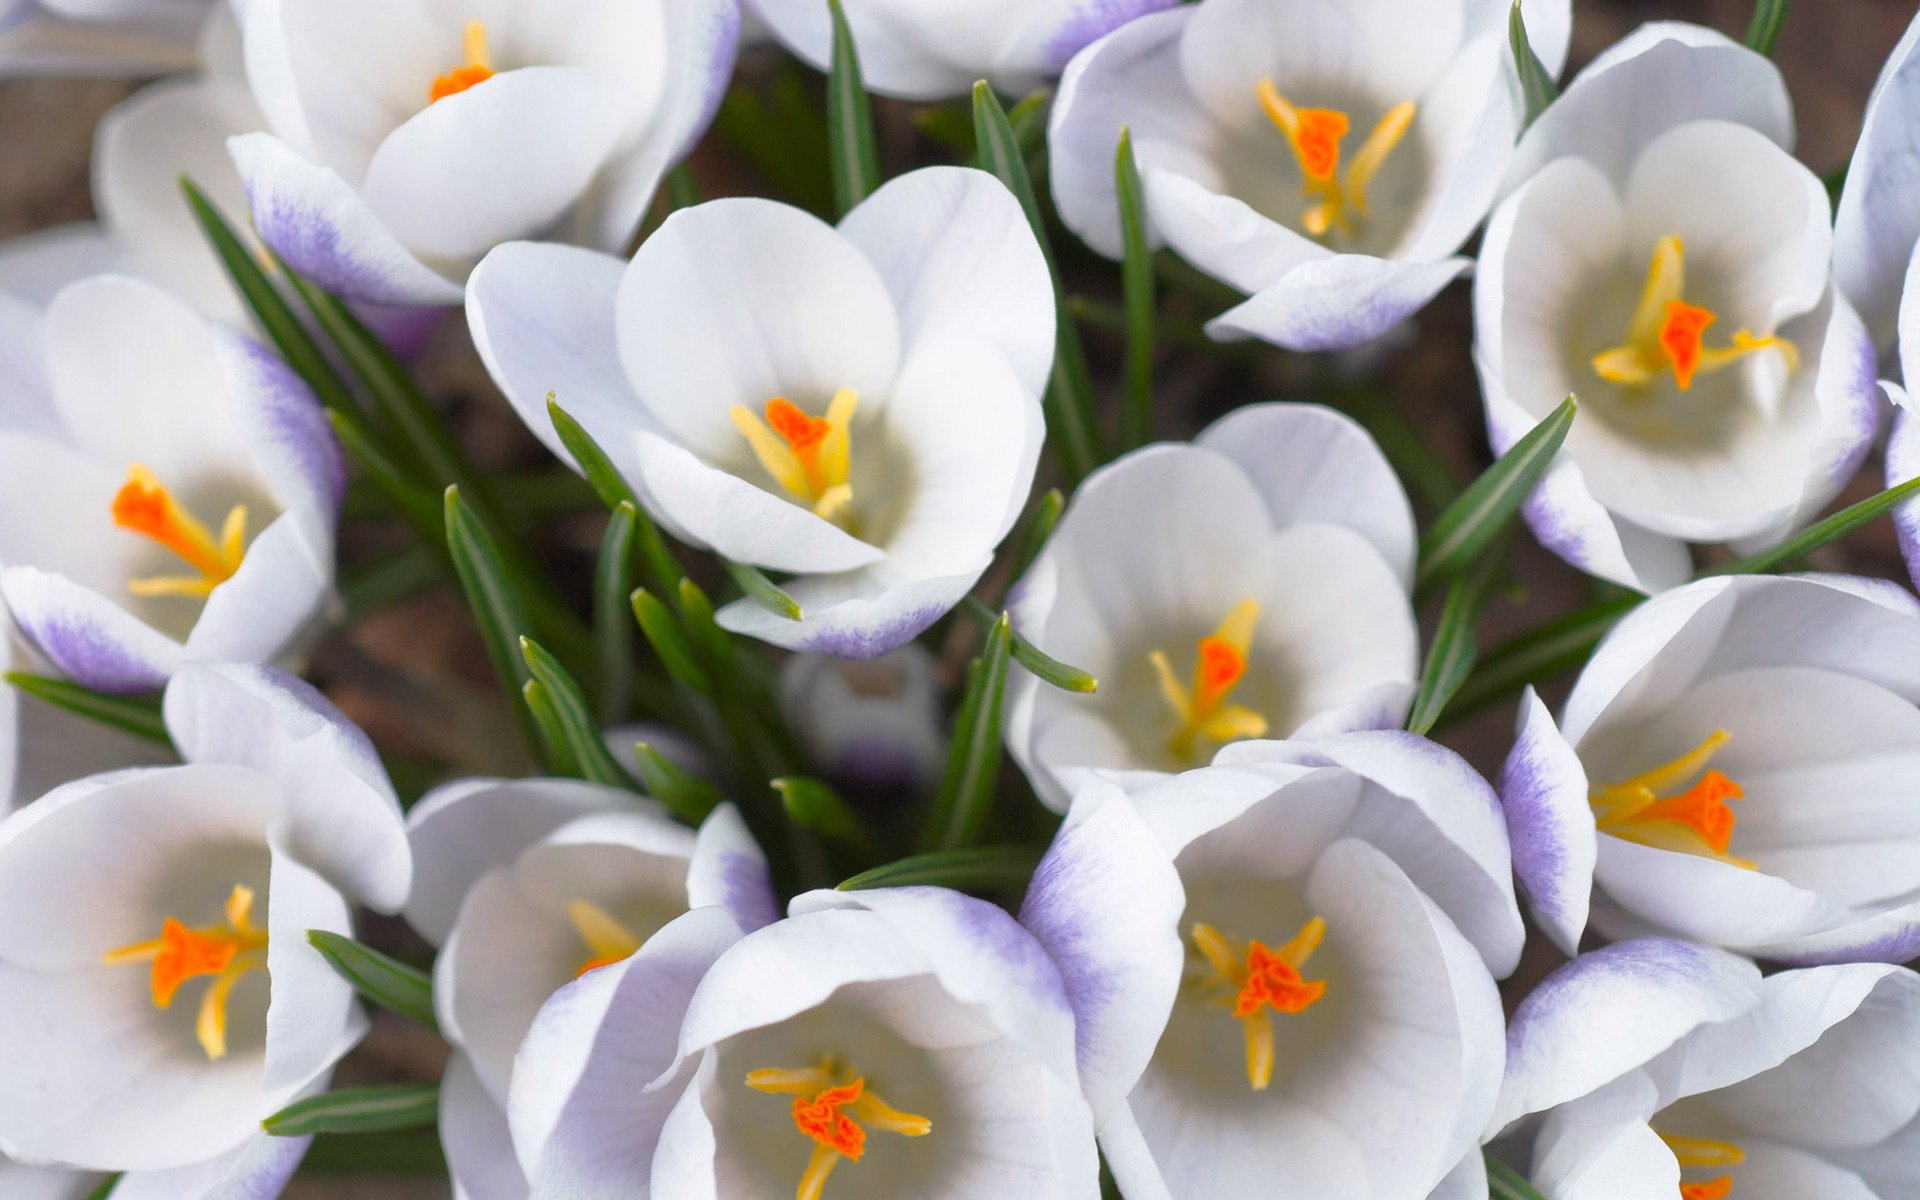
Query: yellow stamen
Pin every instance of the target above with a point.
(1666, 333)
(477, 69)
(224, 952)
(809, 456)
(607, 939)
(1220, 662)
(144, 506)
(830, 1111)
(1696, 818)
(1315, 134)
(1257, 981)
(1705, 1152)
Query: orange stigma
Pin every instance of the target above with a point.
(829, 1111)
(808, 456)
(1258, 982)
(223, 952)
(1697, 818)
(1220, 663)
(1712, 1189)
(477, 69)
(1704, 1152)
(1315, 134)
(144, 506)
(1666, 333)
(607, 940)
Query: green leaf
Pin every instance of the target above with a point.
(581, 733)
(1764, 30)
(1136, 275)
(782, 136)
(104, 1189)
(663, 570)
(1455, 640)
(850, 141)
(137, 715)
(814, 805)
(359, 1110)
(1033, 539)
(497, 605)
(977, 869)
(1505, 1183)
(413, 1152)
(382, 979)
(1539, 655)
(414, 503)
(763, 591)
(1536, 85)
(1835, 527)
(961, 806)
(1070, 409)
(1028, 120)
(685, 795)
(555, 750)
(683, 190)
(669, 642)
(612, 628)
(1483, 510)
(1050, 670)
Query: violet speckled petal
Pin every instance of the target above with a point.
(852, 615)
(1903, 463)
(728, 869)
(285, 426)
(1336, 303)
(1543, 790)
(1887, 937)
(92, 640)
(260, 1170)
(1086, 22)
(1877, 222)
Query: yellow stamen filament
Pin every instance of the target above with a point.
(1255, 982)
(1315, 134)
(1220, 662)
(1661, 808)
(607, 939)
(809, 456)
(1705, 1152)
(829, 1107)
(225, 952)
(477, 69)
(144, 506)
(1666, 333)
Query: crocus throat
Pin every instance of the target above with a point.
(144, 506)
(811, 457)
(829, 1105)
(1666, 333)
(1655, 809)
(1220, 662)
(1315, 135)
(1705, 1152)
(608, 941)
(1256, 981)
(477, 69)
(225, 952)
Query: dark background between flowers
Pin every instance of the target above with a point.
(414, 671)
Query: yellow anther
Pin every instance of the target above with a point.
(1316, 134)
(829, 1107)
(1705, 1152)
(1668, 334)
(144, 506)
(607, 939)
(1220, 662)
(225, 952)
(1255, 981)
(1679, 805)
(477, 69)
(811, 457)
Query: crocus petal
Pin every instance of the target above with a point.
(729, 869)
(35, 266)
(282, 591)
(314, 1017)
(279, 418)
(1600, 1147)
(1337, 303)
(259, 1170)
(92, 640)
(1903, 463)
(479, 1144)
(1543, 791)
(853, 615)
(1877, 223)
(36, 41)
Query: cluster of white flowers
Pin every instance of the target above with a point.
(1263, 949)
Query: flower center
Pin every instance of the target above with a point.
(829, 1105)
(1220, 662)
(1255, 982)
(144, 506)
(607, 939)
(808, 456)
(1668, 333)
(226, 952)
(1705, 1152)
(1315, 135)
(477, 69)
(1696, 819)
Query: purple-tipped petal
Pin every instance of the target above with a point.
(1543, 791)
(93, 641)
(1337, 303)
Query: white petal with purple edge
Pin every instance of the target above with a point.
(1543, 792)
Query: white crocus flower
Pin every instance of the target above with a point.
(1877, 226)
(933, 49)
(525, 885)
(1252, 584)
(1735, 765)
(874, 725)
(1665, 1068)
(170, 491)
(1282, 969)
(874, 1045)
(856, 405)
(158, 996)
(1668, 261)
(99, 37)
(409, 138)
(1326, 157)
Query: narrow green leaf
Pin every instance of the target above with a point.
(1536, 85)
(763, 591)
(1028, 120)
(1136, 274)
(577, 726)
(685, 795)
(1033, 539)
(1455, 640)
(850, 138)
(1817, 535)
(382, 979)
(782, 136)
(1048, 669)
(669, 642)
(683, 190)
(1483, 510)
(269, 307)
(1764, 30)
(1070, 409)
(497, 605)
(612, 628)
(663, 570)
(359, 1110)
(372, 588)
(413, 1152)
(104, 1189)
(1505, 1183)
(556, 751)
(961, 806)
(414, 503)
(813, 804)
(137, 715)
(1538, 655)
(1005, 869)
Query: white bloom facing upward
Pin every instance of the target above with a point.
(169, 491)
(1326, 158)
(98, 37)
(525, 885)
(409, 138)
(932, 49)
(157, 993)
(1252, 584)
(1668, 261)
(1279, 966)
(856, 405)
(1736, 765)
(874, 1045)
(1665, 1068)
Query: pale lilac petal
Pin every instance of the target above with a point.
(1543, 790)
(1337, 303)
(92, 640)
